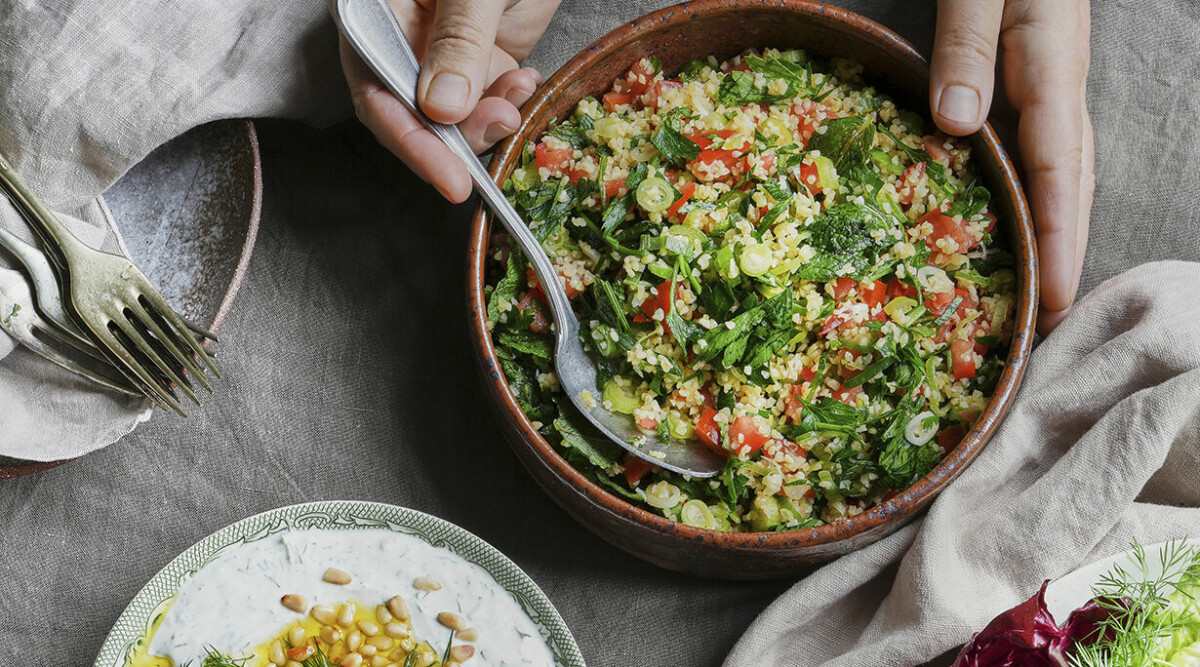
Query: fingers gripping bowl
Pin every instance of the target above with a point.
(724, 30)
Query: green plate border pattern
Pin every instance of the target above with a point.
(131, 628)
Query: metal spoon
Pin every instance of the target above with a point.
(372, 30)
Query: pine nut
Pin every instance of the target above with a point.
(331, 634)
(427, 584)
(384, 616)
(323, 613)
(293, 663)
(276, 655)
(297, 636)
(351, 660)
(368, 628)
(468, 634)
(368, 651)
(336, 576)
(401, 653)
(301, 653)
(354, 640)
(395, 630)
(399, 608)
(462, 652)
(380, 661)
(380, 642)
(452, 620)
(425, 658)
(346, 615)
(296, 603)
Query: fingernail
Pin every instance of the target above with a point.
(449, 90)
(959, 104)
(497, 131)
(537, 75)
(518, 95)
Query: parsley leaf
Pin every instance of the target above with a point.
(847, 142)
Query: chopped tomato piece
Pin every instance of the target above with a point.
(873, 293)
(945, 227)
(845, 357)
(615, 187)
(532, 279)
(744, 435)
(832, 323)
(706, 393)
(992, 217)
(647, 423)
(842, 287)
(933, 144)
(962, 353)
(810, 178)
(849, 396)
(640, 76)
(739, 65)
(654, 92)
(636, 468)
(704, 139)
(708, 432)
(540, 323)
(792, 404)
(576, 175)
(808, 374)
(936, 302)
(792, 449)
(896, 288)
(555, 160)
(807, 121)
(685, 193)
(910, 178)
(949, 438)
(614, 99)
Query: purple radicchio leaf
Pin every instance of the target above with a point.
(1027, 636)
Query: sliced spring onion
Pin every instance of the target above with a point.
(927, 273)
(655, 194)
(679, 427)
(755, 259)
(696, 513)
(885, 162)
(896, 308)
(609, 127)
(826, 174)
(693, 217)
(921, 428)
(620, 398)
(662, 495)
(776, 127)
(604, 339)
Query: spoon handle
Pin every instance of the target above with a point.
(373, 31)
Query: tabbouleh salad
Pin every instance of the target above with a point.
(769, 258)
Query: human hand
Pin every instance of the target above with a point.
(1044, 65)
(469, 52)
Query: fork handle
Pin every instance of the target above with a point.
(373, 31)
(42, 219)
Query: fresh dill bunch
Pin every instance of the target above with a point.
(217, 659)
(1145, 618)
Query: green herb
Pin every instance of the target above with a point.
(214, 658)
(970, 200)
(526, 342)
(738, 88)
(1153, 619)
(847, 142)
(842, 235)
(951, 308)
(671, 144)
(596, 449)
(505, 290)
(574, 134)
(691, 69)
(15, 309)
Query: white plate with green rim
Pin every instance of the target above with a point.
(132, 630)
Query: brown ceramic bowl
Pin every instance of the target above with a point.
(725, 28)
(189, 216)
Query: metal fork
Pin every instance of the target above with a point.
(118, 307)
(20, 319)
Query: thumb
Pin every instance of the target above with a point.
(964, 63)
(455, 69)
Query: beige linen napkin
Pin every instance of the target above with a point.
(88, 88)
(1101, 446)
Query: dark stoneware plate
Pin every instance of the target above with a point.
(189, 215)
(725, 28)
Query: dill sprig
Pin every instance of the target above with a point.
(215, 658)
(1142, 620)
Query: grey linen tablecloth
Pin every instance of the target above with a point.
(349, 376)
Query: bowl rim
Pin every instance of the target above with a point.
(887, 514)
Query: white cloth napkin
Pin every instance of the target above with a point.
(1101, 446)
(88, 88)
